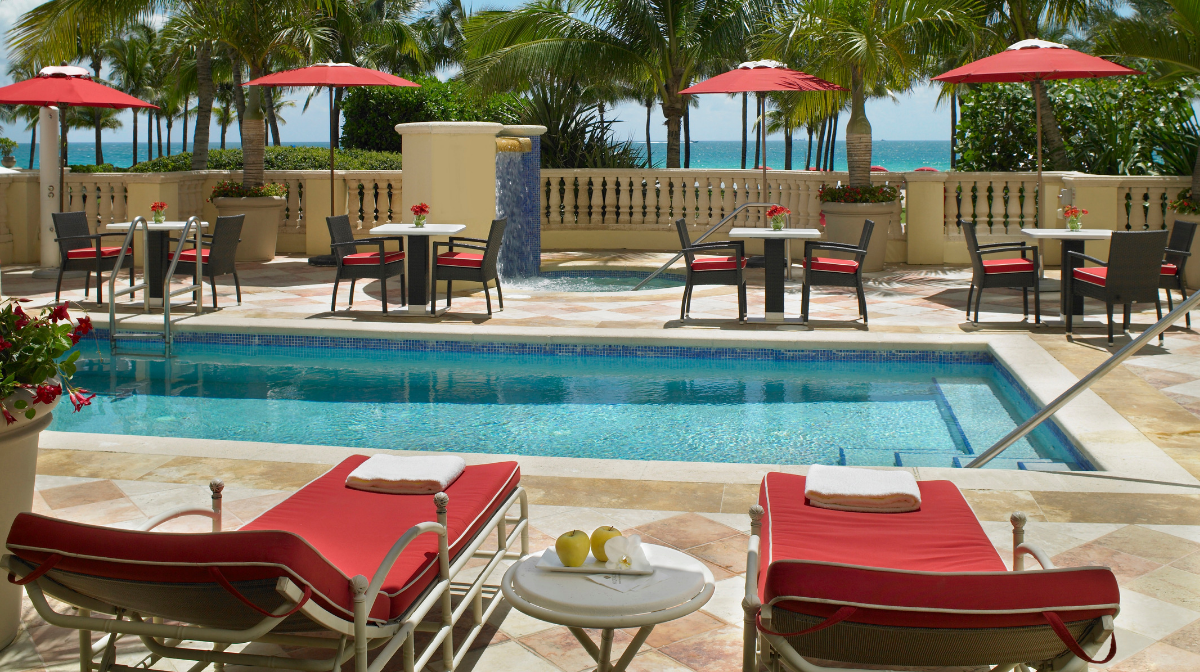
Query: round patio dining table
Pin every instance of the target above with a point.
(417, 254)
(1072, 241)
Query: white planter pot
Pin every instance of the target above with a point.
(18, 455)
(260, 231)
(844, 223)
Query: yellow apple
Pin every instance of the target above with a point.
(572, 548)
(601, 537)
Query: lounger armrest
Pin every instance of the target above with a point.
(1084, 256)
(1037, 553)
(216, 487)
(1179, 252)
(385, 567)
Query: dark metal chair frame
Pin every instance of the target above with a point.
(981, 279)
(222, 244)
(73, 233)
(733, 276)
(342, 243)
(832, 279)
(1134, 265)
(482, 274)
(1179, 248)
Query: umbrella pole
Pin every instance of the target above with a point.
(62, 148)
(1041, 201)
(332, 132)
(762, 132)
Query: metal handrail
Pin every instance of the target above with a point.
(197, 287)
(1084, 383)
(113, 292)
(704, 235)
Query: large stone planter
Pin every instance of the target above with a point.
(18, 455)
(844, 223)
(260, 231)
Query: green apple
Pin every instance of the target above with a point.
(572, 548)
(601, 537)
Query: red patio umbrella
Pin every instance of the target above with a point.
(1030, 61)
(66, 86)
(759, 77)
(333, 75)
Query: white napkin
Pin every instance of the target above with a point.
(864, 490)
(402, 475)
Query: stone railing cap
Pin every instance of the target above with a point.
(522, 130)
(450, 128)
(925, 176)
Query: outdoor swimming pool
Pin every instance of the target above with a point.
(624, 402)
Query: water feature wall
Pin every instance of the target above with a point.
(518, 197)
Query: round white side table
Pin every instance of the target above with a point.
(577, 602)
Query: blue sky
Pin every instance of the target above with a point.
(913, 116)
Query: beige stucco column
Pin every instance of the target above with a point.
(451, 166)
(1098, 195)
(925, 217)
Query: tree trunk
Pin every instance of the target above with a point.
(239, 97)
(649, 154)
(170, 123)
(820, 165)
(183, 136)
(858, 134)
(149, 134)
(953, 130)
(158, 132)
(135, 151)
(787, 148)
(1051, 134)
(744, 110)
(97, 61)
(757, 129)
(269, 108)
(32, 145)
(687, 136)
(672, 107)
(254, 136)
(204, 101)
(808, 155)
(831, 162)
(224, 127)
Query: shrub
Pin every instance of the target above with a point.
(372, 112)
(237, 190)
(102, 168)
(882, 193)
(278, 158)
(7, 146)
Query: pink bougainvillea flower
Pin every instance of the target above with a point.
(59, 313)
(4, 345)
(46, 394)
(80, 398)
(8, 418)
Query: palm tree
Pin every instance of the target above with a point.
(1171, 42)
(864, 45)
(20, 71)
(665, 42)
(131, 61)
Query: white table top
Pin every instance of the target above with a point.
(165, 226)
(568, 598)
(742, 232)
(410, 230)
(1067, 234)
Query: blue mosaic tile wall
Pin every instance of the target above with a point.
(518, 197)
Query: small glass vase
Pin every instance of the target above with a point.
(1074, 225)
(159, 217)
(777, 222)
(419, 221)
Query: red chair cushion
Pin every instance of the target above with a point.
(833, 265)
(1008, 266)
(1170, 269)
(90, 252)
(465, 259)
(320, 536)
(1096, 276)
(190, 255)
(717, 263)
(371, 258)
(936, 558)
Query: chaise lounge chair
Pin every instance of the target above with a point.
(329, 568)
(925, 588)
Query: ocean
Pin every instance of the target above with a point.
(896, 155)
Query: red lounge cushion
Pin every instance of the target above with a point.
(717, 263)
(320, 536)
(190, 255)
(1008, 266)
(90, 252)
(1170, 269)
(369, 258)
(934, 558)
(1095, 276)
(460, 259)
(833, 265)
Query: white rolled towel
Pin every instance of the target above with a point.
(402, 475)
(863, 490)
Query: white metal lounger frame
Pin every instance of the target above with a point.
(775, 653)
(355, 637)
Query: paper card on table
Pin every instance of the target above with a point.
(624, 583)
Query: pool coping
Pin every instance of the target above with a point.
(1103, 436)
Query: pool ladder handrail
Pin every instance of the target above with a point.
(197, 287)
(706, 234)
(1087, 381)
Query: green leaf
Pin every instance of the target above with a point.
(20, 404)
(30, 413)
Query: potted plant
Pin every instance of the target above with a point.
(7, 147)
(159, 209)
(778, 216)
(1073, 214)
(420, 211)
(844, 209)
(263, 207)
(34, 374)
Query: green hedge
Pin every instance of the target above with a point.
(277, 158)
(372, 112)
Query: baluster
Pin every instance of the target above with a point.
(554, 194)
(637, 198)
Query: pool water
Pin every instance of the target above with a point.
(635, 408)
(593, 281)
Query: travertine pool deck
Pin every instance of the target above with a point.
(1149, 533)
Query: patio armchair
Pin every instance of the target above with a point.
(1131, 275)
(80, 250)
(836, 272)
(1179, 248)
(454, 264)
(1009, 273)
(712, 270)
(353, 265)
(218, 257)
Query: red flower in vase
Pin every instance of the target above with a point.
(420, 209)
